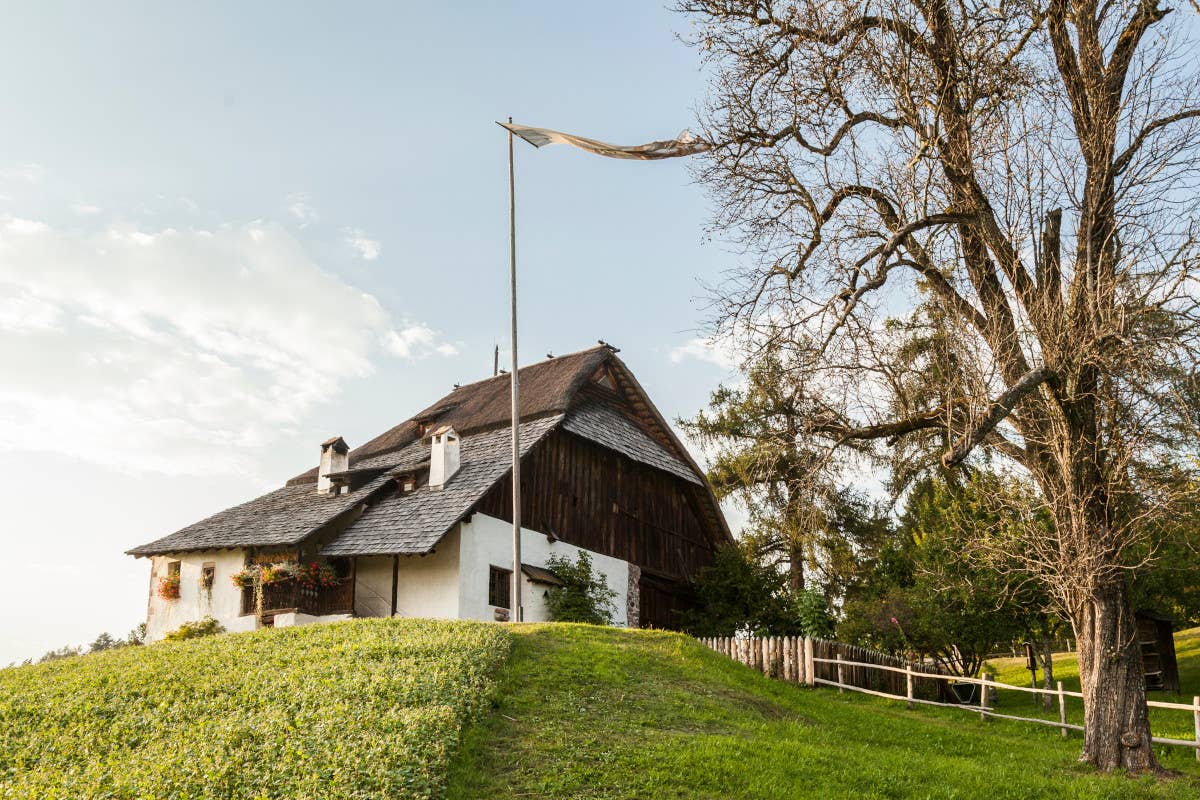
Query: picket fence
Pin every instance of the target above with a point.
(819, 662)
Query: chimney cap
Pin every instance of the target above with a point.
(337, 443)
(440, 430)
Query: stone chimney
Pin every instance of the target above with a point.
(335, 457)
(443, 456)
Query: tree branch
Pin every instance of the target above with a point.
(1122, 161)
(1000, 408)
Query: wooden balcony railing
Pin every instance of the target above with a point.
(289, 595)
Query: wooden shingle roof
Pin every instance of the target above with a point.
(580, 393)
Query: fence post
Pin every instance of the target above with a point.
(810, 666)
(1062, 713)
(788, 663)
(1196, 722)
(839, 674)
(983, 695)
(908, 679)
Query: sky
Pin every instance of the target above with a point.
(229, 231)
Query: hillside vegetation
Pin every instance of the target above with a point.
(368, 708)
(377, 708)
(587, 712)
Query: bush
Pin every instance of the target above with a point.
(195, 630)
(584, 595)
(736, 594)
(810, 614)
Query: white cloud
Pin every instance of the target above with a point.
(299, 205)
(22, 173)
(367, 248)
(176, 351)
(24, 227)
(85, 209)
(416, 341)
(706, 349)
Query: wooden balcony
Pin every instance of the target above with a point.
(289, 595)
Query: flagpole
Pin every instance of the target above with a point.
(517, 610)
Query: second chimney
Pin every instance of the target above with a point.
(335, 457)
(443, 456)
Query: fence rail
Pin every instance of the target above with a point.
(818, 662)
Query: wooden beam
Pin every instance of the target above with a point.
(395, 580)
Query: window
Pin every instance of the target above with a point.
(499, 587)
(208, 574)
(173, 569)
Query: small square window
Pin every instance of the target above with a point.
(499, 587)
(173, 569)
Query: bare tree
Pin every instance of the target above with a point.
(1016, 182)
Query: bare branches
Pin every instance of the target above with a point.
(1122, 161)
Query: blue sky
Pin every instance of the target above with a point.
(230, 230)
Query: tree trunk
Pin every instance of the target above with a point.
(1047, 672)
(1117, 727)
(796, 567)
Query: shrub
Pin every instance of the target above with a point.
(736, 594)
(810, 611)
(194, 630)
(584, 595)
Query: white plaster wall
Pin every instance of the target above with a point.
(426, 586)
(486, 541)
(224, 603)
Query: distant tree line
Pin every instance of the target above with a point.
(104, 641)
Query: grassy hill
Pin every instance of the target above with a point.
(376, 708)
(601, 713)
(368, 708)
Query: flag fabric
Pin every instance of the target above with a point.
(685, 144)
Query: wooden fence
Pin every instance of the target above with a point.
(817, 662)
(814, 661)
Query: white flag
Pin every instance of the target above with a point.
(685, 144)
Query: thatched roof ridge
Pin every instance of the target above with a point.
(547, 388)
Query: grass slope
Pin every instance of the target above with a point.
(362, 709)
(583, 712)
(1163, 722)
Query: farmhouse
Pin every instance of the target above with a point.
(418, 521)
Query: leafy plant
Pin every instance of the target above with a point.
(317, 576)
(277, 573)
(244, 578)
(195, 630)
(584, 596)
(168, 587)
(810, 612)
